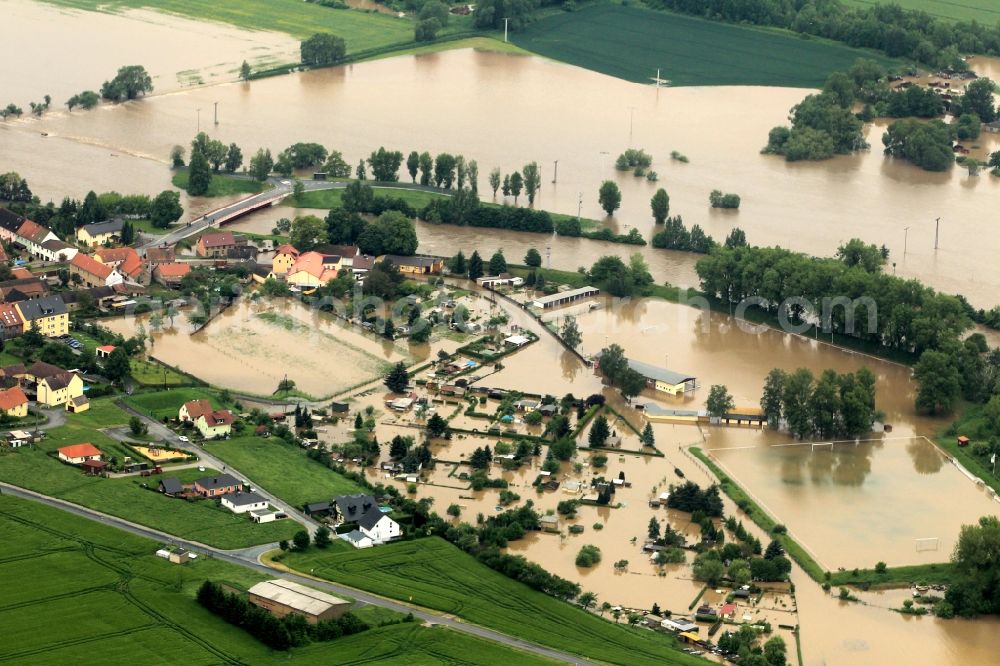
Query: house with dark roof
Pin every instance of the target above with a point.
(378, 526)
(349, 508)
(160, 255)
(47, 314)
(100, 233)
(240, 502)
(22, 289)
(99, 297)
(171, 486)
(216, 486)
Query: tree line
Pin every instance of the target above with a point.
(832, 405)
(276, 633)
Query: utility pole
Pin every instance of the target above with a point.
(631, 113)
(579, 207)
(906, 235)
(548, 256)
(505, 30)
(937, 227)
(555, 171)
(199, 120)
(216, 113)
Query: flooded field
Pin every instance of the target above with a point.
(71, 51)
(787, 204)
(253, 346)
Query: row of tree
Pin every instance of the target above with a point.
(832, 405)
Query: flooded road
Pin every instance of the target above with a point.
(64, 51)
(808, 207)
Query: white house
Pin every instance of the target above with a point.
(378, 527)
(357, 539)
(240, 502)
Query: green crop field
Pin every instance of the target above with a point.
(984, 11)
(79, 592)
(435, 574)
(632, 43)
(283, 469)
(361, 30)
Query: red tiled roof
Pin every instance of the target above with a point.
(33, 232)
(9, 317)
(12, 397)
(287, 249)
(106, 348)
(160, 255)
(80, 450)
(174, 269)
(313, 264)
(132, 266)
(114, 255)
(20, 273)
(221, 239)
(196, 408)
(219, 417)
(88, 264)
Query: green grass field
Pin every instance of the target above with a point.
(167, 403)
(84, 593)
(361, 30)
(434, 574)
(283, 469)
(632, 43)
(332, 198)
(220, 186)
(984, 11)
(148, 373)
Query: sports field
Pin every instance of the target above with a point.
(632, 43)
(984, 11)
(435, 574)
(84, 593)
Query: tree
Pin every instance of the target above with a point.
(322, 50)
(599, 432)
(261, 164)
(234, 158)
(736, 238)
(771, 400)
(978, 99)
(532, 180)
(587, 600)
(307, 232)
(437, 426)
(177, 157)
(391, 233)
(199, 174)
(385, 165)
(516, 185)
(647, 437)
(117, 366)
(660, 204)
(301, 540)
(532, 258)
(610, 197)
(426, 168)
(457, 264)
(215, 153)
(472, 171)
(130, 82)
(976, 589)
(412, 165)
(494, 180)
(654, 529)
(775, 651)
(719, 402)
(245, 71)
(498, 264)
(426, 30)
(939, 382)
(588, 556)
(398, 379)
(631, 383)
(444, 170)
(322, 537)
(165, 209)
(475, 266)
(708, 568)
(570, 332)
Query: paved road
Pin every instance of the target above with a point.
(157, 429)
(249, 558)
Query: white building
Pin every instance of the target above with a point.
(679, 625)
(357, 539)
(378, 527)
(240, 502)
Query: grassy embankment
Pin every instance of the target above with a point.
(984, 11)
(101, 586)
(435, 574)
(892, 577)
(283, 469)
(972, 424)
(221, 185)
(631, 43)
(35, 469)
(145, 372)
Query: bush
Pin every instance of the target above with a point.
(588, 556)
(720, 200)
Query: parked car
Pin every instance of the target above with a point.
(182, 438)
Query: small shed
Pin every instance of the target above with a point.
(963, 440)
(93, 467)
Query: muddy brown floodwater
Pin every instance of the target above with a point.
(546, 111)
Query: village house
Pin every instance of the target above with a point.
(504, 279)
(284, 259)
(415, 265)
(32, 237)
(211, 423)
(57, 250)
(283, 597)
(240, 502)
(47, 314)
(217, 245)
(378, 527)
(11, 324)
(22, 289)
(171, 486)
(78, 404)
(312, 269)
(216, 486)
(13, 402)
(104, 351)
(357, 539)
(126, 261)
(349, 508)
(659, 379)
(59, 389)
(100, 233)
(87, 271)
(160, 255)
(77, 454)
(99, 297)
(170, 274)
(361, 264)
